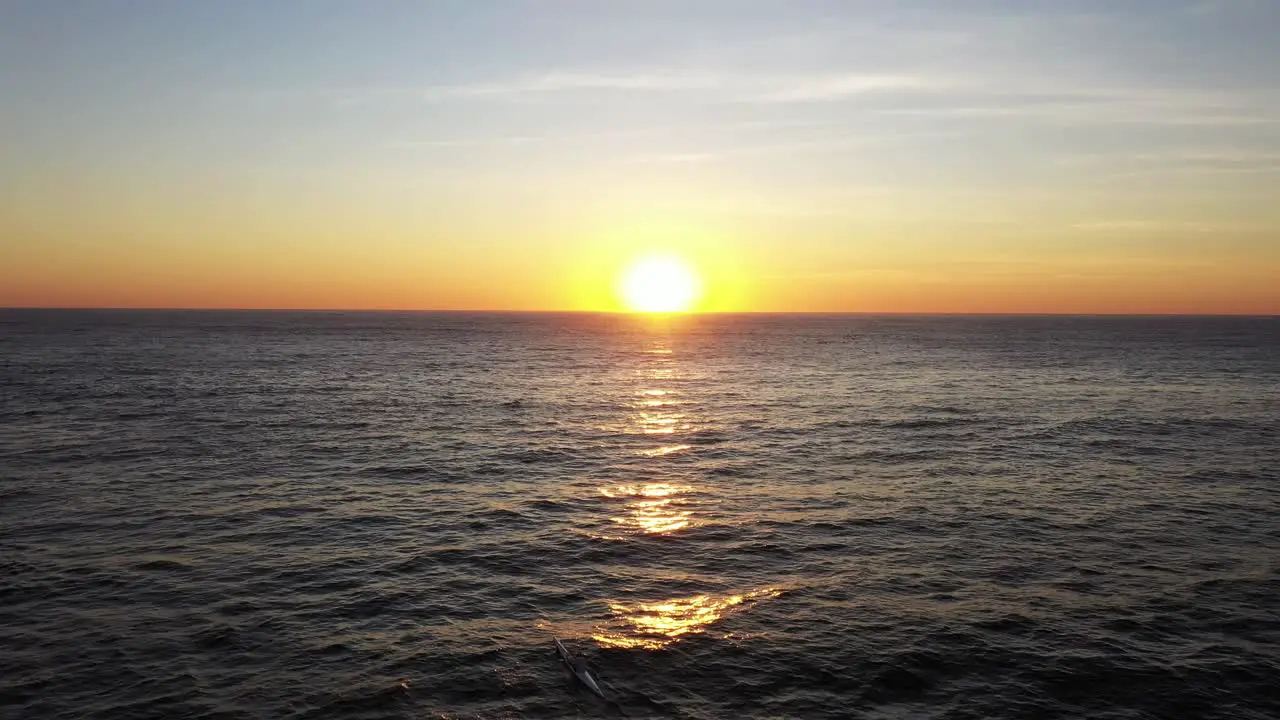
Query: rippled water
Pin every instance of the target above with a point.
(315, 515)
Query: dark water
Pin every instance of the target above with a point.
(268, 515)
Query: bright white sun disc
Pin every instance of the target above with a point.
(659, 285)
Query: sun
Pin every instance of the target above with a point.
(659, 284)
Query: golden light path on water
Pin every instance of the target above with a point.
(663, 450)
(661, 507)
(655, 509)
(653, 626)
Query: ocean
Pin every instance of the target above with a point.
(391, 515)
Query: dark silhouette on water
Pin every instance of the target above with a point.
(579, 668)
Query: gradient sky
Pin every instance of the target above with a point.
(975, 156)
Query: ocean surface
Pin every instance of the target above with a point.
(391, 515)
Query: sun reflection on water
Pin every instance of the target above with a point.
(658, 373)
(663, 450)
(659, 412)
(653, 626)
(654, 509)
(652, 424)
(660, 406)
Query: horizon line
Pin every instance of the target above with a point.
(460, 311)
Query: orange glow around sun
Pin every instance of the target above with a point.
(659, 284)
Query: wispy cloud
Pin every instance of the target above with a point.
(919, 94)
(749, 127)
(838, 87)
(779, 88)
(1131, 225)
(557, 82)
(1191, 230)
(1178, 161)
(1085, 105)
(516, 140)
(843, 142)
(1212, 7)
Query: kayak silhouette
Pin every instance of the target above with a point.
(579, 668)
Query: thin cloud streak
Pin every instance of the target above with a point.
(1149, 225)
(740, 87)
(838, 143)
(951, 96)
(560, 82)
(1178, 162)
(828, 88)
(751, 127)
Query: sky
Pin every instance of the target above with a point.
(835, 156)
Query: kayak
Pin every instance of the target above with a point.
(579, 668)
